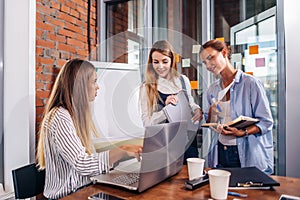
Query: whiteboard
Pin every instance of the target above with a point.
(116, 107)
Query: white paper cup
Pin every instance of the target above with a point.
(218, 183)
(195, 167)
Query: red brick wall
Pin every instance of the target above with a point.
(61, 34)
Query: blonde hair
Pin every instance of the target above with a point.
(165, 48)
(70, 91)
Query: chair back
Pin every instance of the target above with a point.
(28, 181)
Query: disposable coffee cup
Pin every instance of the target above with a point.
(218, 183)
(195, 167)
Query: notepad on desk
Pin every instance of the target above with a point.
(241, 122)
(250, 178)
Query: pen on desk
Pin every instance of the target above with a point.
(237, 194)
(214, 101)
(249, 184)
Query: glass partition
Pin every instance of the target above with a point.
(1, 89)
(124, 31)
(132, 26)
(244, 24)
(261, 31)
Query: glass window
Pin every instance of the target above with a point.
(124, 31)
(135, 17)
(1, 88)
(264, 64)
(132, 26)
(245, 36)
(178, 21)
(250, 23)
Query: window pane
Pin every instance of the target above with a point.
(124, 28)
(245, 36)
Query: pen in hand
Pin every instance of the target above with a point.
(215, 101)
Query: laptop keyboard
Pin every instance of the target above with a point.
(127, 179)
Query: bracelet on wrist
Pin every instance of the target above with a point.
(246, 134)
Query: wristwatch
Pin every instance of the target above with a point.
(246, 133)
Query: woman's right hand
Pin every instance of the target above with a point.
(171, 99)
(129, 150)
(213, 113)
(132, 150)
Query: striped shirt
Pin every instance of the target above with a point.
(68, 166)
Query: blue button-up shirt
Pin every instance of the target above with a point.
(248, 98)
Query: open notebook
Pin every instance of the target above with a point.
(162, 157)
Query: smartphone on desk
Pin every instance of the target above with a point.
(288, 197)
(104, 196)
(196, 183)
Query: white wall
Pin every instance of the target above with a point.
(116, 106)
(19, 85)
(292, 44)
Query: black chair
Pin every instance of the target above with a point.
(28, 181)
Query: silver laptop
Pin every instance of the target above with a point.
(162, 157)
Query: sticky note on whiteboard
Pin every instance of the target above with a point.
(194, 85)
(253, 49)
(250, 73)
(236, 57)
(186, 62)
(222, 39)
(196, 48)
(177, 58)
(260, 62)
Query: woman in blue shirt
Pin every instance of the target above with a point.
(236, 93)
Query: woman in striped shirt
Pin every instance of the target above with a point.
(65, 148)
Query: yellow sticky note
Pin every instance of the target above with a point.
(177, 58)
(194, 85)
(253, 49)
(222, 39)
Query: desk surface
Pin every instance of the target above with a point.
(173, 188)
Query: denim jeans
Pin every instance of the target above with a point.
(191, 151)
(228, 156)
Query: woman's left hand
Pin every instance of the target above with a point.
(226, 130)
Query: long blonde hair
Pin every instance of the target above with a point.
(70, 91)
(165, 48)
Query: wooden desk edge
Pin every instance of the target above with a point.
(174, 188)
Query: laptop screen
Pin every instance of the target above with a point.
(162, 157)
(163, 150)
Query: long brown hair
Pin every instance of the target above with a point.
(165, 48)
(70, 91)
